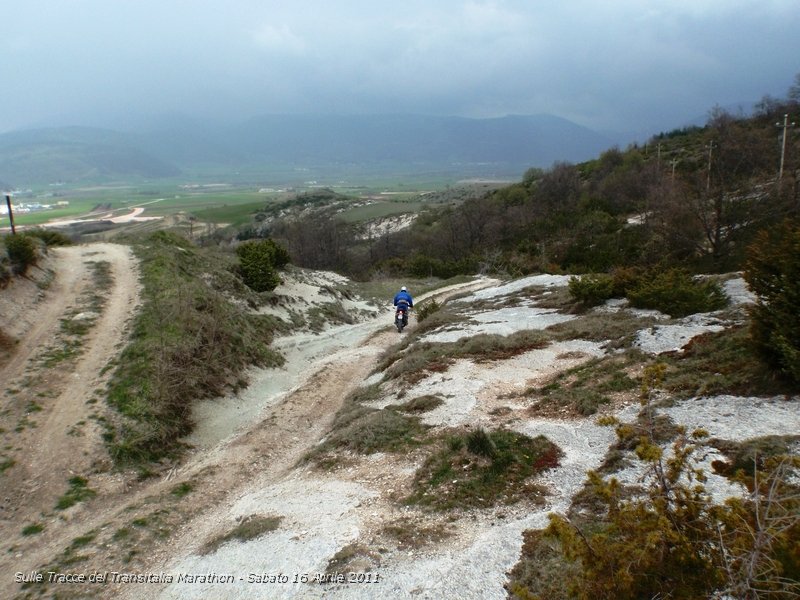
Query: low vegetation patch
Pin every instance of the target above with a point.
(23, 252)
(189, 342)
(352, 558)
(723, 363)
(591, 289)
(78, 491)
(583, 389)
(182, 489)
(364, 430)
(432, 357)
(49, 236)
(420, 404)
(32, 529)
(617, 330)
(412, 534)
(327, 314)
(250, 528)
(479, 469)
(749, 457)
(671, 291)
(6, 463)
(426, 309)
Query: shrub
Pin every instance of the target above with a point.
(426, 309)
(258, 260)
(670, 540)
(772, 271)
(625, 278)
(21, 251)
(675, 293)
(591, 289)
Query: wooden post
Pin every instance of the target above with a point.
(10, 213)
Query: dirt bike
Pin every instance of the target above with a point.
(401, 318)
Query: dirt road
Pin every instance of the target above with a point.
(70, 327)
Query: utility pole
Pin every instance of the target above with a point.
(674, 162)
(10, 214)
(786, 125)
(708, 176)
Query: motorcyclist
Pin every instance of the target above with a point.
(403, 300)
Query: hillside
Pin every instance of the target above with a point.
(360, 144)
(363, 453)
(74, 154)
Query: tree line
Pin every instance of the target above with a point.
(694, 197)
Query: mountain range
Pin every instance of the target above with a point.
(458, 145)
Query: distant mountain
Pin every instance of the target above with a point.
(74, 154)
(453, 144)
(517, 141)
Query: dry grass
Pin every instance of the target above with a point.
(250, 528)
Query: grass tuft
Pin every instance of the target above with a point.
(250, 528)
(478, 470)
(78, 492)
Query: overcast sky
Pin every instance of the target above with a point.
(613, 65)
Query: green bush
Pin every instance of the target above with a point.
(675, 293)
(772, 271)
(22, 252)
(591, 289)
(258, 261)
(625, 278)
(421, 266)
(668, 539)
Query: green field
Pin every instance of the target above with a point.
(228, 207)
(229, 203)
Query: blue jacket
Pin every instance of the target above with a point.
(403, 297)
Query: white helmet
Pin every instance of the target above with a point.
(403, 289)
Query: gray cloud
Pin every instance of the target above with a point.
(618, 65)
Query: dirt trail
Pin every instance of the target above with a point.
(67, 337)
(264, 456)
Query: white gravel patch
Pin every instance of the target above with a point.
(463, 384)
(584, 444)
(673, 338)
(503, 321)
(737, 418)
(738, 292)
(517, 285)
(478, 571)
(320, 516)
